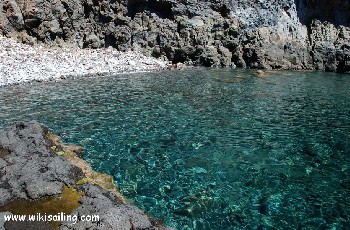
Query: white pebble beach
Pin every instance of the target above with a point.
(24, 63)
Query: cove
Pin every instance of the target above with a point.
(208, 148)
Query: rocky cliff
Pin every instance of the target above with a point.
(277, 34)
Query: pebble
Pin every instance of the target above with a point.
(23, 63)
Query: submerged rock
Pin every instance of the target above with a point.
(35, 178)
(260, 73)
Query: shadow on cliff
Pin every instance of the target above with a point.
(160, 8)
(336, 12)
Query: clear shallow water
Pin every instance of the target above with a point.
(209, 148)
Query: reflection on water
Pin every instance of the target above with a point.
(209, 148)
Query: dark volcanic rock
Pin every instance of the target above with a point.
(32, 168)
(256, 34)
(113, 214)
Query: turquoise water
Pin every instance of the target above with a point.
(209, 148)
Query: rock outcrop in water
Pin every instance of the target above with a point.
(39, 174)
(287, 34)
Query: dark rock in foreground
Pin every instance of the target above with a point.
(37, 171)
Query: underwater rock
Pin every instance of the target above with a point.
(270, 204)
(199, 170)
(260, 73)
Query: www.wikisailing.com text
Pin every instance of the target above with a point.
(60, 217)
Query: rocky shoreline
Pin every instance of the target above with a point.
(283, 34)
(24, 63)
(41, 175)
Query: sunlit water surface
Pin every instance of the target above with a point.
(209, 148)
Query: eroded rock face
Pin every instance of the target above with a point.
(330, 46)
(256, 34)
